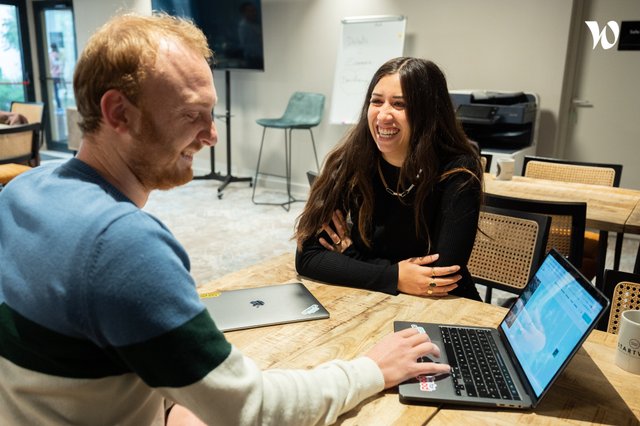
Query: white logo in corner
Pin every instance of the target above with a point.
(601, 36)
(311, 309)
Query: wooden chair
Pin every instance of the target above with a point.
(606, 174)
(20, 144)
(508, 249)
(623, 289)
(572, 171)
(566, 232)
(34, 112)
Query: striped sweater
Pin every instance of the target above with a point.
(100, 321)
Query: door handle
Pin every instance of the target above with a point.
(582, 103)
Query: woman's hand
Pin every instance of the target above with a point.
(339, 239)
(414, 277)
(12, 118)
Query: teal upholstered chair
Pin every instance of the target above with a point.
(304, 112)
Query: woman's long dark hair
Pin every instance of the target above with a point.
(436, 139)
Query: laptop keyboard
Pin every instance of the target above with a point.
(477, 368)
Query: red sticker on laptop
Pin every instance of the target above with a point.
(427, 383)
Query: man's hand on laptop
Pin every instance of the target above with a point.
(397, 356)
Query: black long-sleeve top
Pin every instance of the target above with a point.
(452, 211)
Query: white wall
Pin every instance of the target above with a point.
(608, 131)
(493, 44)
(91, 14)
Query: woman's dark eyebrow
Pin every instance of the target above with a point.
(395, 97)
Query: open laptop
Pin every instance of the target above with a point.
(261, 306)
(533, 344)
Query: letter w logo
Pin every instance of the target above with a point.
(601, 36)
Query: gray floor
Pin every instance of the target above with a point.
(224, 235)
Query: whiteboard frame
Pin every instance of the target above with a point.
(350, 83)
(372, 18)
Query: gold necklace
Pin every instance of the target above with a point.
(391, 191)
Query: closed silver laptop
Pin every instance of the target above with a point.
(261, 306)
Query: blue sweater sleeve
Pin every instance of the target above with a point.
(138, 274)
(141, 304)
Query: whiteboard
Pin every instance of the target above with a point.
(366, 43)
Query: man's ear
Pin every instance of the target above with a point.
(117, 112)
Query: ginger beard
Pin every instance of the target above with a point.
(157, 162)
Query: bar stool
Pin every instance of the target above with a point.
(304, 111)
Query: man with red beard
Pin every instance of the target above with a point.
(100, 320)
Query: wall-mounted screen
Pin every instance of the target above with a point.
(233, 28)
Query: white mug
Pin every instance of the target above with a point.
(628, 353)
(505, 167)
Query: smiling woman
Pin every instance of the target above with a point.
(388, 122)
(396, 206)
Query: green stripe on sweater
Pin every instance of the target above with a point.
(180, 357)
(38, 348)
(174, 359)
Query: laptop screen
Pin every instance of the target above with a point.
(549, 320)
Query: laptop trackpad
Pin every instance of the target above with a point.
(435, 377)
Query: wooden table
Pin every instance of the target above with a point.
(633, 222)
(633, 226)
(592, 389)
(608, 208)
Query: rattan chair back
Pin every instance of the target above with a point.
(19, 144)
(626, 296)
(572, 171)
(623, 289)
(606, 174)
(568, 219)
(508, 248)
(33, 111)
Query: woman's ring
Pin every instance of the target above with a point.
(339, 241)
(433, 284)
(429, 292)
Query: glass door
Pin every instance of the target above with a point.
(15, 57)
(56, 40)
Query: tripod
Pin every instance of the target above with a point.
(228, 178)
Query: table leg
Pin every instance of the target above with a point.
(602, 259)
